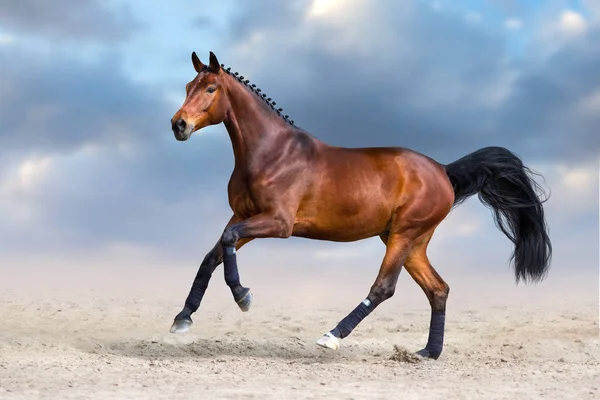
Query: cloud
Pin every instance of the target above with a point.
(27, 174)
(6, 39)
(325, 8)
(593, 10)
(155, 192)
(514, 24)
(590, 104)
(473, 17)
(572, 23)
(574, 190)
(66, 19)
(418, 78)
(19, 183)
(545, 109)
(88, 155)
(58, 104)
(203, 22)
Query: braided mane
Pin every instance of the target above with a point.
(259, 93)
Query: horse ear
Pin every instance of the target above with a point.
(198, 66)
(214, 63)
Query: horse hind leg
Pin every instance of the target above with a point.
(419, 268)
(383, 288)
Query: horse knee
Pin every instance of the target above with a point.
(381, 292)
(229, 237)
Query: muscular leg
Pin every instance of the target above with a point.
(259, 226)
(384, 238)
(212, 260)
(418, 266)
(383, 288)
(266, 225)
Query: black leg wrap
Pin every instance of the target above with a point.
(232, 275)
(435, 342)
(345, 326)
(198, 288)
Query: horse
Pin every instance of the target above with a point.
(286, 182)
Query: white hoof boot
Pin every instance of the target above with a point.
(329, 341)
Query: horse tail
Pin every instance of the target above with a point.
(507, 187)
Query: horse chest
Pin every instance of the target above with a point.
(240, 200)
(247, 200)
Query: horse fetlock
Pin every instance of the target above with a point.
(430, 353)
(185, 314)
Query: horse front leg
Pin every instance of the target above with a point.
(183, 320)
(266, 225)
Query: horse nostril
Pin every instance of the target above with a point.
(180, 124)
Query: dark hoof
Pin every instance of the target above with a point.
(428, 354)
(181, 325)
(183, 321)
(245, 300)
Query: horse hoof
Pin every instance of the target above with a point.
(329, 341)
(246, 301)
(181, 326)
(428, 354)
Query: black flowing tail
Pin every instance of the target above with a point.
(506, 186)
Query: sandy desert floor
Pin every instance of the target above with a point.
(105, 335)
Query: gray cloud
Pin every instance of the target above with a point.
(167, 196)
(203, 22)
(67, 19)
(114, 160)
(59, 104)
(547, 107)
(428, 81)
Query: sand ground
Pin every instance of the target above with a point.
(105, 335)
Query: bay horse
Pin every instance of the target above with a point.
(286, 182)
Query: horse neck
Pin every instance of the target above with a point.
(254, 128)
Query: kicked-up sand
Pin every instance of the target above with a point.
(104, 334)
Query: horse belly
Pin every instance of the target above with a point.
(344, 224)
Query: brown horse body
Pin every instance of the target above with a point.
(288, 183)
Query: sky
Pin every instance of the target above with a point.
(90, 172)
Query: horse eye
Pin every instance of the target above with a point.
(211, 89)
